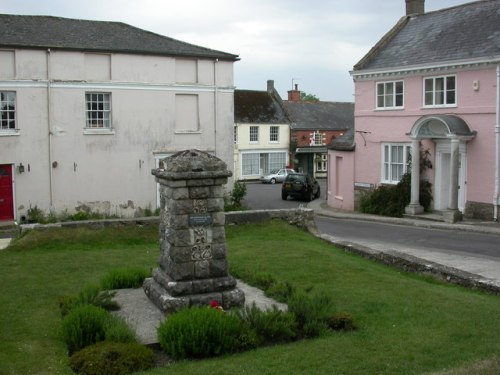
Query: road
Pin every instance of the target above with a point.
(268, 196)
(472, 252)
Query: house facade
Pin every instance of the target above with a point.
(430, 85)
(314, 126)
(261, 133)
(88, 108)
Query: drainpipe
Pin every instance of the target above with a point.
(216, 105)
(49, 127)
(496, 197)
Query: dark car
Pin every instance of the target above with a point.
(300, 185)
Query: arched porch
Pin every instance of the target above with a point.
(451, 134)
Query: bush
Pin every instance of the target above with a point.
(88, 324)
(233, 201)
(391, 200)
(341, 321)
(311, 313)
(90, 295)
(124, 278)
(271, 326)
(200, 332)
(117, 330)
(112, 358)
(83, 326)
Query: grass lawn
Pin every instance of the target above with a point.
(407, 324)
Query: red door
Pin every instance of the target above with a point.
(6, 194)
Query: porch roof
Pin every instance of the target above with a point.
(441, 126)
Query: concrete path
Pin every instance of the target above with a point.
(145, 318)
(4, 242)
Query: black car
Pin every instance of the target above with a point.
(300, 185)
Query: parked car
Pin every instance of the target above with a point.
(276, 175)
(300, 185)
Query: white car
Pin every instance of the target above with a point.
(277, 175)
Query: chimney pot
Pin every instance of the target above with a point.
(415, 7)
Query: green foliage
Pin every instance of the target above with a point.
(271, 326)
(90, 295)
(232, 202)
(281, 291)
(83, 326)
(312, 312)
(391, 200)
(36, 215)
(124, 278)
(87, 324)
(112, 358)
(199, 332)
(117, 330)
(341, 321)
(308, 97)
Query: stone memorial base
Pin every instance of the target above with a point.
(169, 303)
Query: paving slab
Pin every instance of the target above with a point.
(144, 317)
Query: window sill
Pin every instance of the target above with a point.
(389, 109)
(187, 132)
(96, 131)
(440, 106)
(10, 133)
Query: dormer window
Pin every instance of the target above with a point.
(440, 91)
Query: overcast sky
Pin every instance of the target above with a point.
(314, 43)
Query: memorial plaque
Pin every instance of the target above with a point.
(200, 220)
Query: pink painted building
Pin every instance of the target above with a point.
(431, 83)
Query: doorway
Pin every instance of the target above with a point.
(442, 188)
(6, 192)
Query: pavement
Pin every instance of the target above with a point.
(468, 270)
(144, 317)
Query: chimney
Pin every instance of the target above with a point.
(294, 95)
(270, 86)
(415, 7)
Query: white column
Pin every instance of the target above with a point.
(414, 207)
(454, 160)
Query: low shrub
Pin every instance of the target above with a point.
(117, 330)
(341, 321)
(271, 326)
(112, 358)
(233, 201)
(312, 312)
(90, 295)
(124, 278)
(199, 332)
(87, 324)
(281, 291)
(83, 326)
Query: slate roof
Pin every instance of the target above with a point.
(464, 32)
(344, 142)
(43, 32)
(320, 115)
(258, 107)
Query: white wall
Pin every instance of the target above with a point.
(108, 172)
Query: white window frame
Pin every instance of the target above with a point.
(253, 134)
(434, 91)
(8, 115)
(394, 165)
(386, 95)
(101, 115)
(321, 165)
(274, 134)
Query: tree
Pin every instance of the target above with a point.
(304, 96)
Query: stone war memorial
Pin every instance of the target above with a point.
(192, 268)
